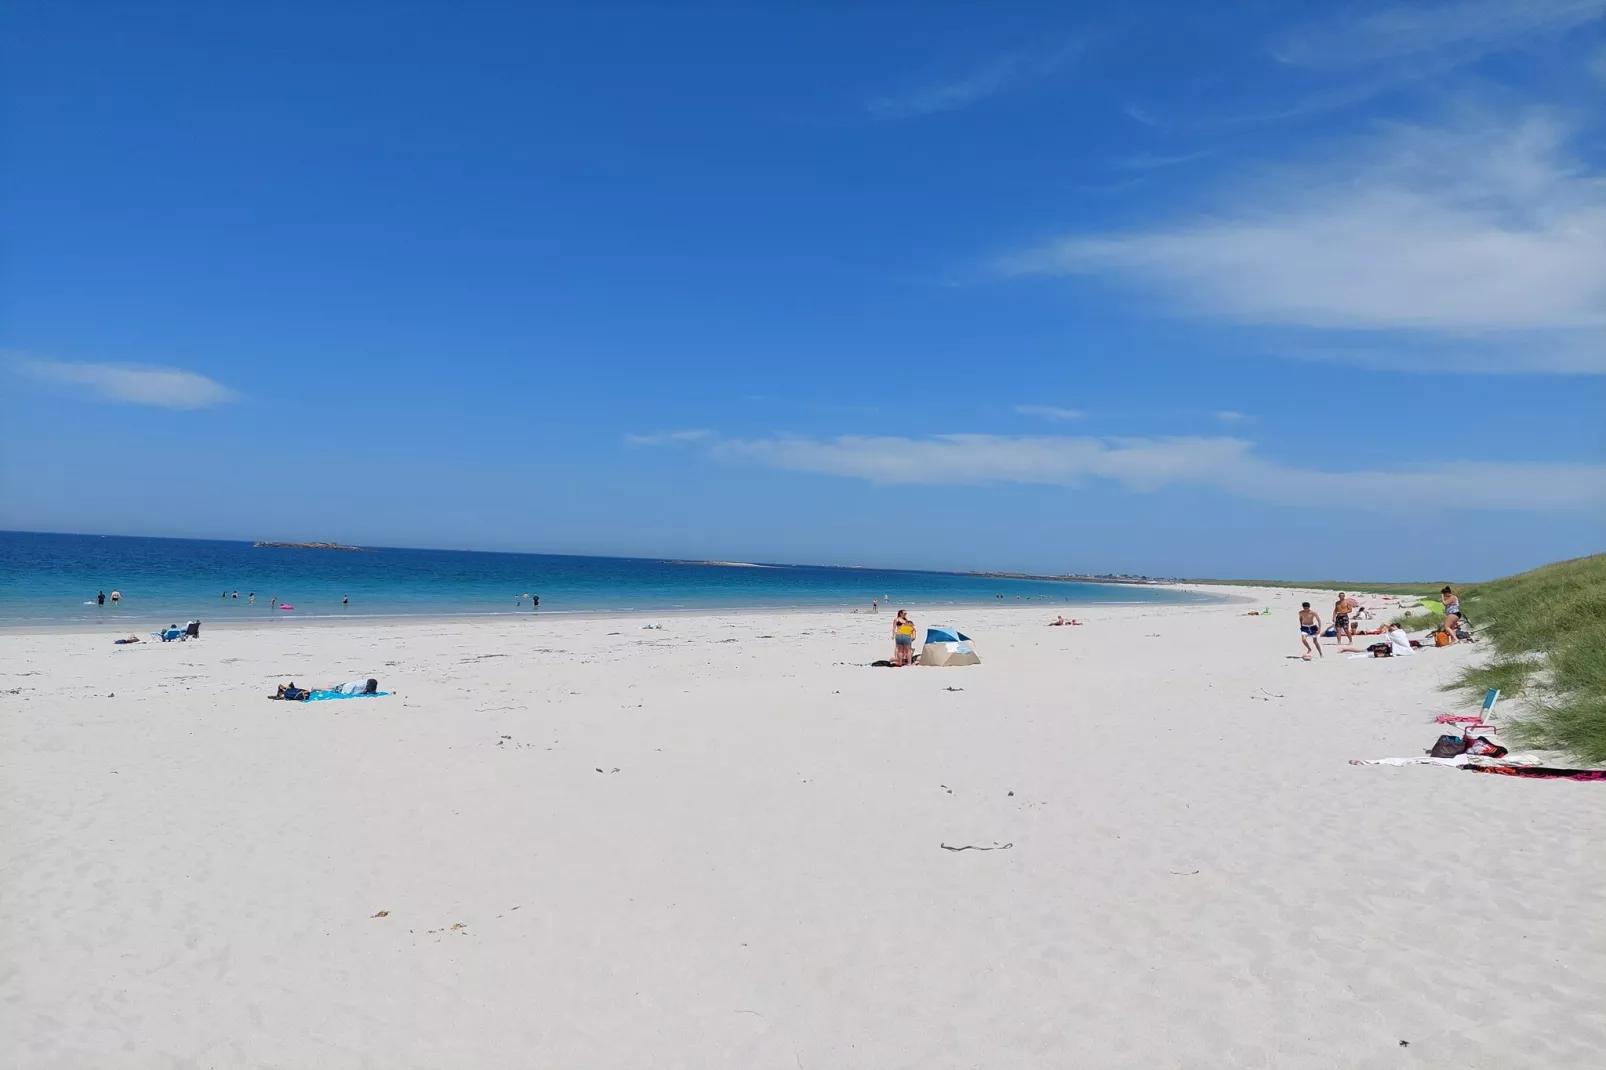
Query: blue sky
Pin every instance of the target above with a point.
(1229, 289)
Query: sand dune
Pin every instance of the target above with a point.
(719, 845)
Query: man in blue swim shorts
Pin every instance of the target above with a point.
(1310, 630)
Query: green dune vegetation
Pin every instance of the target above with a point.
(1548, 631)
(1547, 628)
(1420, 622)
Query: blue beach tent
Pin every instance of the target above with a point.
(947, 646)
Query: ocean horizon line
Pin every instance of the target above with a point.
(50, 577)
(308, 546)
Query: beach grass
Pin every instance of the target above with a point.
(1548, 630)
(1508, 677)
(1419, 622)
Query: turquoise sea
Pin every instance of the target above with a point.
(54, 579)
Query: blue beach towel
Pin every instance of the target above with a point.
(319, 696)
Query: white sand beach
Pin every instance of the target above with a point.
(581, 843)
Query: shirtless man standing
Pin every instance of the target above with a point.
(1342, 629)
(1310, 629)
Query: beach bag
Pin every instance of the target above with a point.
(1484, 747)
(1441, 638)
(1448, 747)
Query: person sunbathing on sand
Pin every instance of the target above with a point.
(291, 693)
(1396, 644)
(1061, 622)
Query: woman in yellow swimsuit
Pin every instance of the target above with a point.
(903, 639)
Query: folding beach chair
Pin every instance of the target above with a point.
(1486, 714)
(1484, 718)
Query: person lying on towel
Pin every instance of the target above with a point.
(1397, 646)
(291, 693)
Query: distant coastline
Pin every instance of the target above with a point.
(314, 546)
(1077, 577)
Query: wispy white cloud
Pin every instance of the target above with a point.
(1140, 115)
(1150, 162)
(1050, 412)
(1559, 352)
(664, 438)
(975, 85)
(168, 388)
(1144, 464)
(1463, 30)
(1148, 464)
(1347, 93)
(1361, 56)
(1228, 416)
(1487, 237)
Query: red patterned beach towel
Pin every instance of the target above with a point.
(1540, 772)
